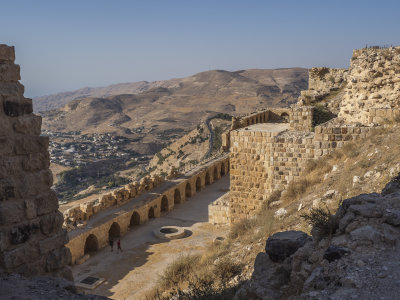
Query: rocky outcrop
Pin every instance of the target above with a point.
(372, 91)
(359, 261)
(31, 238)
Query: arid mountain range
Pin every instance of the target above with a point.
(171, 104)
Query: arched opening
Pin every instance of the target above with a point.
(135, 219)
(285, 117)
(164, 203)
(91, 244)
(114, 232)
(151, 213)
(248, 122)
(208, 179)
(198, 184)
(222, 169)
(177, 197)
(215, 173)
(188, 190)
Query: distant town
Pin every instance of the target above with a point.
(72, 149)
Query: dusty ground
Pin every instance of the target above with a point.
(134, 271)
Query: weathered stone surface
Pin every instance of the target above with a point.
(24, 145)
(12, 89)
(50, 223)
(9, 72)
(334, 252)
(283, 244)
(57, 259)
(7, 53)
(28, 124)
(21, 233)
(30, 224)
(46, 203)
(365, 233)
(53, 242)
(392, 216)
(18, 256)
(11, 212)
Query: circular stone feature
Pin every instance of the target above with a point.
(170, 232)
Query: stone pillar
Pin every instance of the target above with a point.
(31, 236)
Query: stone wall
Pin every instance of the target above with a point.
(79, 214)
(95, 232)
(218, 211)
(299, 117)
(373, 89)
(263, 161)
(31, 237)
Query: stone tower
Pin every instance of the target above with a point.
(31, 236)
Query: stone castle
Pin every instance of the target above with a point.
(268, 150)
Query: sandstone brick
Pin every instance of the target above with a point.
(7, 53)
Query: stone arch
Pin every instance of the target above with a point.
(164, 203)
(177, 196)
(285, 117)
(198, 184)
(151, 213)
(91, 244)
(215, 173)
(114, 232)
(222, 169)
(135, 219)
(208, 179)
(188, 190)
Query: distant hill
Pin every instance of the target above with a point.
(170, 109)
(284, 79)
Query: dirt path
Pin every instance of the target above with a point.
(134, 271)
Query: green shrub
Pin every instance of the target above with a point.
(322, 221)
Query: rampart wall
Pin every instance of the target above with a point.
(116, 221)
(299, 118)
(31, 237)
(263, 161)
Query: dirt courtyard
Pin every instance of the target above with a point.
(130, 274)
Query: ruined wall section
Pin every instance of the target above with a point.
(264, 162)
(325, 79)
(373, 90)
(325, 86)
(251, 173)
(31, 237)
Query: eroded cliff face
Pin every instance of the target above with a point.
(31, 237)
(372, 93)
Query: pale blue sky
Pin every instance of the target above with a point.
(66, 45)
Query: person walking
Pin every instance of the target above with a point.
(111, 242)
(119, 245)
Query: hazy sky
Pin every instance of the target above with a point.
(66, 45)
